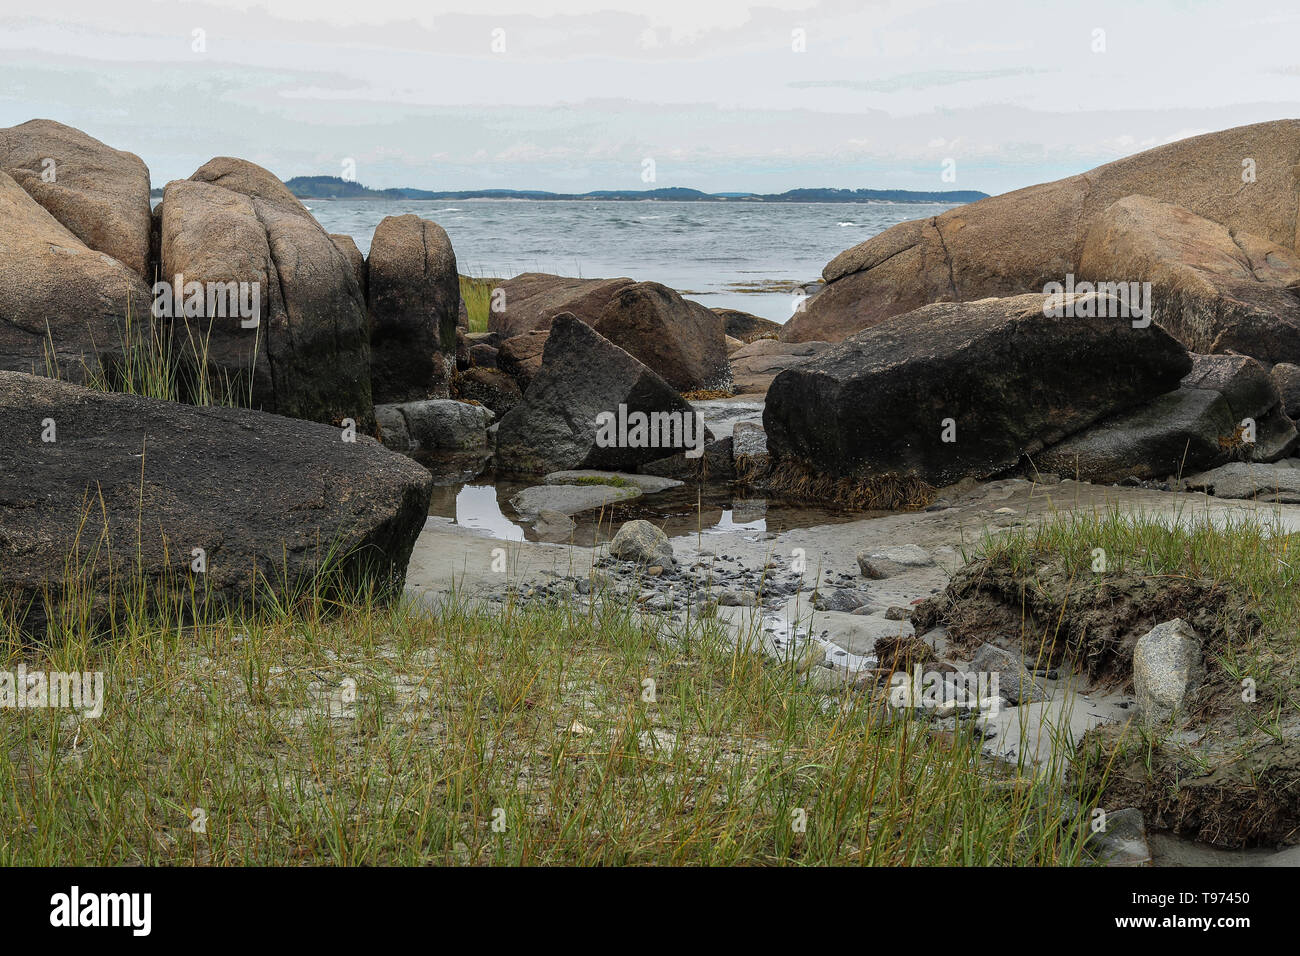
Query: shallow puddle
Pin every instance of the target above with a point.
(483, 503)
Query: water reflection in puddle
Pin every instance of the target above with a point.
(484, 505)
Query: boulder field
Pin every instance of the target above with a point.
(1138, 322)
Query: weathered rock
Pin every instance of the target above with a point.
(553, 526)
(99, 194)
(997, 377)
(985, 249)
(883, 562)
(441, 424)
(569, 499)
(533, 299)
(1122, 839)
(414, 293)
(1183, 431)
(482, 355)
(1242, 381)
(1015, 684)
(62, 304)
(649, 484)
(642, 543)
(754, 366)
(584, 378)
(680, 339)
(1277, 482)
(749, 442)
(348, 246)
(716, 464)
(745, 327)
(520, 357)
(186, 470)
(1287, 379)
(1212, 288)
(308, 353)
(840, 599)
(392, 430)
(489, 387)
(1167, 670)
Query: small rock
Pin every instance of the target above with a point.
(842, 599)
(882, 562)
(1167, 669)
(1015, 684)
(641, 542)
(1123, 839)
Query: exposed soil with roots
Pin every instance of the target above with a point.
(1092, 622)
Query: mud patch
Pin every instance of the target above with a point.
(1092, 622)
(1251, 799)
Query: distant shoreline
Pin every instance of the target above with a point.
(333, 187)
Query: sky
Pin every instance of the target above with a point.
(719, 95)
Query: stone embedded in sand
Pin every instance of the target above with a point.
(957, 390)
(266, 498)
(642, 543)
(880, 563)
(1167, 670)
(1276, 482)
(554, 526)
(1015, 684)
(840, 599)
(1122, 840)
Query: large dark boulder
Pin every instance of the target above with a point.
(261, 495)
(1178, 433)
(1017, 242)
(583, 376)
(1011, 380)
(100, 194)
(308, 355)
(414, 295)
(63, 306)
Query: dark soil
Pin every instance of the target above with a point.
(1250, 801)
(1092, 622)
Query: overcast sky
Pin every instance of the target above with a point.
(573, 95)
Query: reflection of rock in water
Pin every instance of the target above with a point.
(453, 467)
(747, 510)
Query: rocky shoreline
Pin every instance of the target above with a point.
(1128, 335)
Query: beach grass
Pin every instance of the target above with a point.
(343, 730)
(477, 294)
